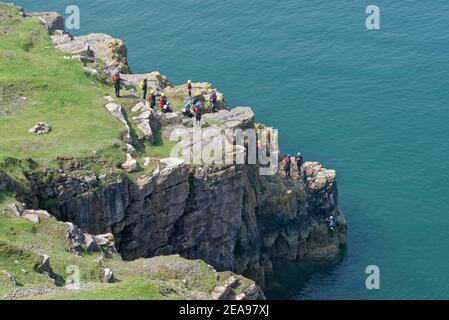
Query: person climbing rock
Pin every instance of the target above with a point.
(144, 87)
(213, 101)
(287, 165)
(189, 87)
(197, 111)
(117, 80)
(186, 112)
(152, 99)
(332, 225)
(299, 162)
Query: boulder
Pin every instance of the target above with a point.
(91, 244)
(44, 266)
(107, 275)
(15, 209)
(117, 112)
(130, 165)
(156, 81)
(76, 238)
(52, 20)
(40, 128)
(111, 51)
(34, 218)
(104, 240)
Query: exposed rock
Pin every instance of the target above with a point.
(130, 165)
(107, 276)
(111, 51)
(40, 213)
(202, 90)
(44, 267)
(40, 128)
(91, 244)
(15, 209)
(104, 240)
(223, 292)
(34, 218)
(239, 117)
(52, 20)
(156, 81)
(144, 120)
(131, 150)
(117, 112)
(253, 292)
(76, 238)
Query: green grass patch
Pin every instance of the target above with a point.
(57, 91)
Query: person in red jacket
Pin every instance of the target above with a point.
(117, 80)
(162, 101)
(287, 165)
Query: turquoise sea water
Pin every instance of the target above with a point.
(374, 105)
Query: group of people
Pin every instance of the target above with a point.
(288, 164)
(193, 107)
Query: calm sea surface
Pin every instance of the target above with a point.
(374, 105)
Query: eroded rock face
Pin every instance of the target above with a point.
(52, 20)
(112, 52)
(230, 217)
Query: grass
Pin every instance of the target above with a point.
(6, 198)
(136, 289)
(22, 242)
(58, 91)
(160, 148)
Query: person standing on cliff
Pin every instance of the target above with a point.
(152, 99)
(117, 80)
(197, 111)
(189, 87)
(299, 162)
(213, 101)
(144, 87)
(287, 165)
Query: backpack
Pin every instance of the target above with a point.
(142, 85)
(287, 161)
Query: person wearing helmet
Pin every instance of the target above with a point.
(144, 87)
(332, 225)
(197, 111)
(299, 162)
(213, 101)
(186, 112)
(189, 87)
(152, 99)
(162, 101)
(287, 165)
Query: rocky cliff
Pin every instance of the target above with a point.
(229, 216)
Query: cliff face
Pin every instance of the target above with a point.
(229, 216)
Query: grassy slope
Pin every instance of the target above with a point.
(57, 91)
(21, 240)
